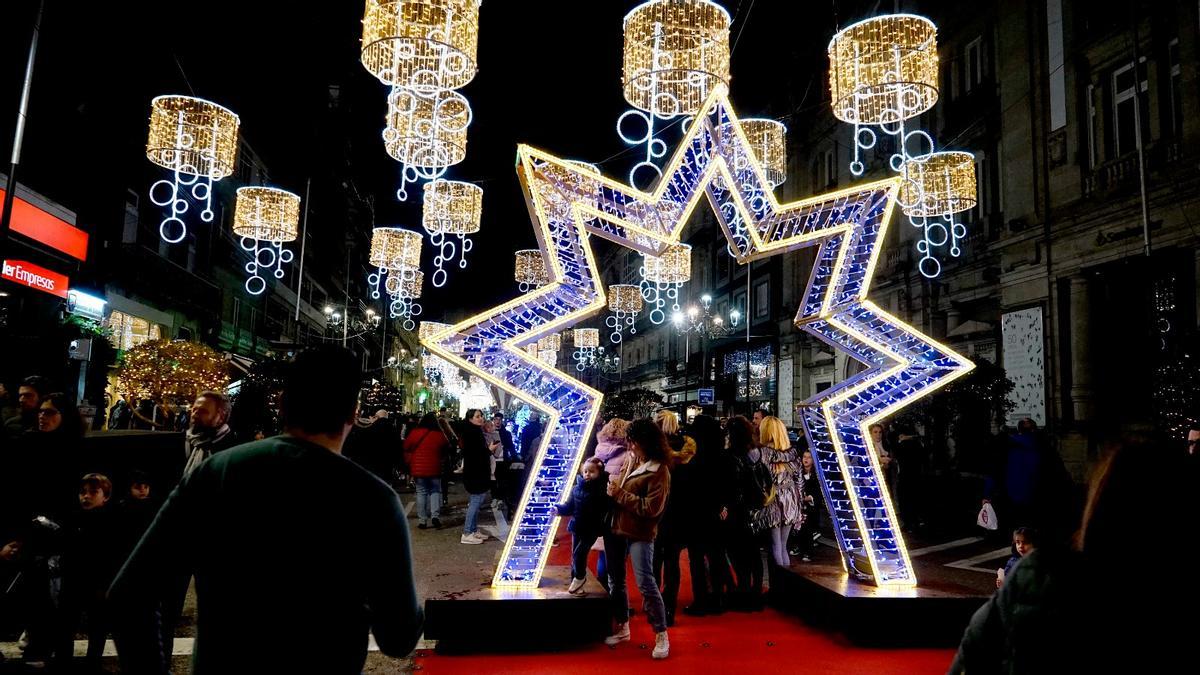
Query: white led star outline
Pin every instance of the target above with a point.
(567, 203)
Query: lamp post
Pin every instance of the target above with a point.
(706, 325)
(335, 317)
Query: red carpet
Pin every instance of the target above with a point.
(766, 641)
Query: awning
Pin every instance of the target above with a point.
(971, 327)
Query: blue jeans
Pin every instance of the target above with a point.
(429, 498)
(472, 522)
(616, 548)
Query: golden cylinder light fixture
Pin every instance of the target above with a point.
(676, 53)
(452, 207)
(531, 268)
(430, 328)
(587, 337)
(768, 138)
(674, 266)
(192, 136)
(550, 343)
(266, 214)
(625, 298)
(431, 44)
(394, 248)
(939, 183)
(884, 70)
(427, 130)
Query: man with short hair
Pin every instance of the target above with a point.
(296, 550)
(29, 398)
(506, 438)
(208, 430)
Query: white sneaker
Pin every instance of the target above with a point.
(576, 585)
(662, 646)
(622, 635)
(472, 538)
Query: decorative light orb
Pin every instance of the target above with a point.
(625, 298)
(421, 43)
(427, 130)
(192, 136)
(266, 214)
(769, 140)
(674, 266)
(531, 268)
(937, 184)
(452, 207)
(676, 53)
(884, 70)
(394, 248)
(551, 343)
(587, 337)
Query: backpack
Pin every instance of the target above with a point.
(756, 483)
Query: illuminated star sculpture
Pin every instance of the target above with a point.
(714, 160)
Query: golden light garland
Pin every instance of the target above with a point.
(421, 43)
(884, 70)
(452, 207)
(192, 136)
(587, 337)
(531, 268)
(266, 214)
(171, 371)
(625, 298)
(407, 284)
(938, 184)
(393, 248)
(676, 53)
(430, 328)
(674, 266)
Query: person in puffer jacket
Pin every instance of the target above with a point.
(611, 447)
(425, 451)
(588, 504)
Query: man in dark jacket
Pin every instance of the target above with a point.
(297, 551)
(208, 429)
(375, 446)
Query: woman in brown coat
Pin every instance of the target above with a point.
(640, 494)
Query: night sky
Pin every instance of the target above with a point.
(549, 75)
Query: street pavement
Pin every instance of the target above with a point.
(443, 567)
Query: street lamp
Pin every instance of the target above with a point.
(369, 321)
(705, 324)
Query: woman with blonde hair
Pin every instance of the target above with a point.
(786, 509)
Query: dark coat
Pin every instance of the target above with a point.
(376, 448)
(588, 503)
(477, 467)
(291, 545)
(91, 552)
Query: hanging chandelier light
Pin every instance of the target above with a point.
(197, 141)
(676, 52)
(935, 187)
(451, 208)
(531, 271)
(396, 256)
(265, 218)
(662, 277)
(424, 50)
(551, 343)
(625, 302)
(883, 71)
(586, 340)
(768, 139)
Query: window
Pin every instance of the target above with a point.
(1057, 75)
(131, 331)
(739, 303)
(974, 64)
(982, 193)
(1125, 107)
(1176, 90)
(830, 175)
(1093, 156)
(762, 300)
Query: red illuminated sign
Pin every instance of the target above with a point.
(39, 278)
(54, 232)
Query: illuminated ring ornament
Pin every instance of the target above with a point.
(848, 225)
(662, 277)
(625, 302)
(404, 289)
(938, 185)
(265, 218)
(197, 141)
(426, 131)
(531, 271)
(769, 138)
(396, 256)
(451, 208)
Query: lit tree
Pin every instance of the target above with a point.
(169, 371)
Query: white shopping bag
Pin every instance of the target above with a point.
(987, 517)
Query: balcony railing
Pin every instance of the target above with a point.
(1122, 172)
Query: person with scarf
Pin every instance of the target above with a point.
(208, 432)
